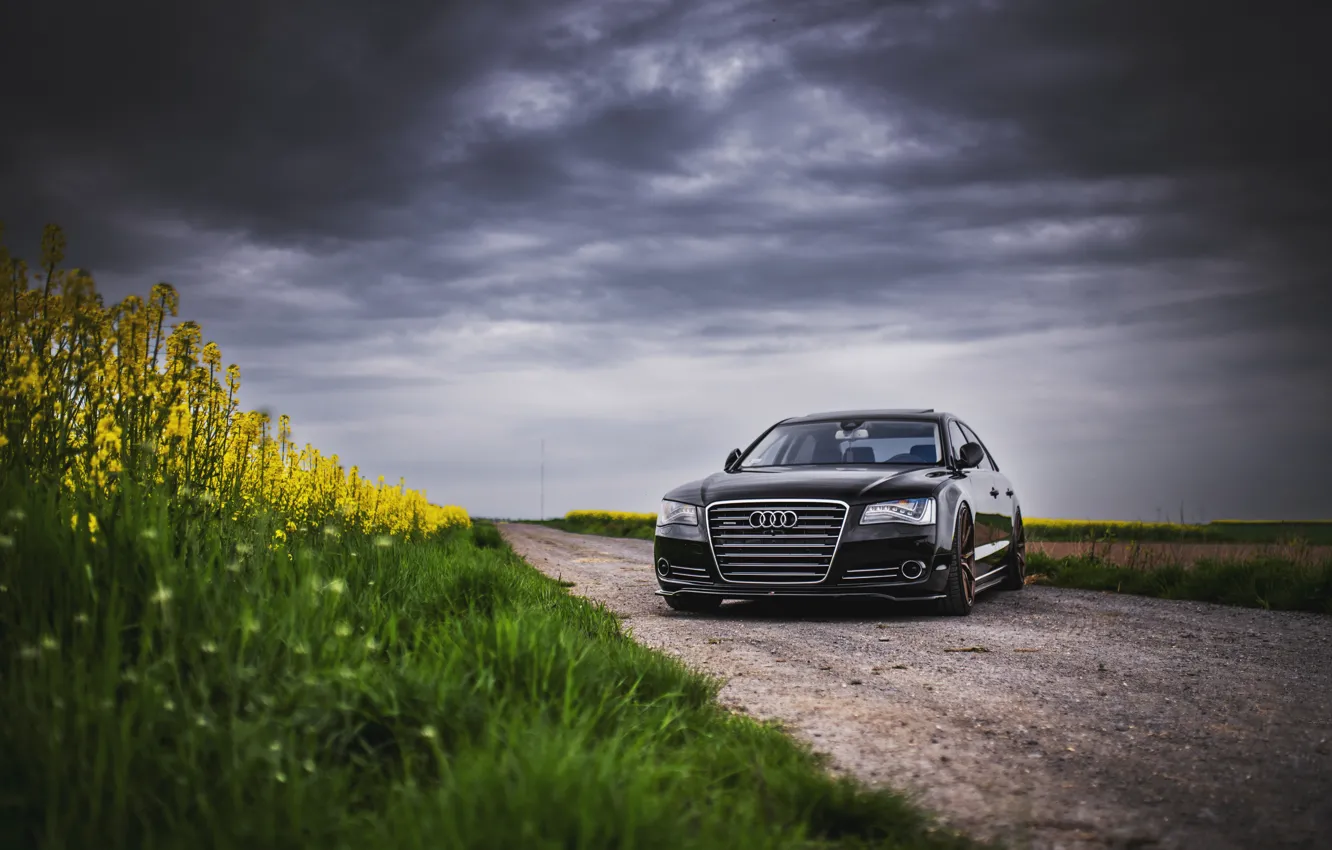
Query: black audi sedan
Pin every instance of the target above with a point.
(894, 504)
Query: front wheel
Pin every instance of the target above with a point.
(698, 603)
(960, 592)
(1015, 568)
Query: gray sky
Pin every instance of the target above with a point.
(643, 231)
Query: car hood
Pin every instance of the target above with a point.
(845, 483)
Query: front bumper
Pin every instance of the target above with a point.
(692, 569)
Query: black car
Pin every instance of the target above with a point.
(893, 504)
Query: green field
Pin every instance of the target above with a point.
(1317, 532)
(642, 526)
(637, 529)
(174, 682)
(1274, 583)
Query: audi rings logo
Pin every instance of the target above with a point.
(772, 519)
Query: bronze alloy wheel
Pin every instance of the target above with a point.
(960, 592)
(1015, 572)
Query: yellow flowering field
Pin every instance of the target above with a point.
(610, 516)
(1038, 525)
(93, 393)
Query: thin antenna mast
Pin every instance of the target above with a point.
(543, 479)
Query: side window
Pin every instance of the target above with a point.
(955, 441)
(988, 463)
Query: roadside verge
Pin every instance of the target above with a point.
(348, 691)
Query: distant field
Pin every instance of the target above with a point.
(1253, 532)
(1276, 583)
(1315, 532)
(607, 523)
(1155, 553)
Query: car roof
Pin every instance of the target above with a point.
(905, 413)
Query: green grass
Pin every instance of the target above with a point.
(178, 683)
(1317, 533)
(638, 529)
(1252, 583)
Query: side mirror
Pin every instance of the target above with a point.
(731, 459)
(972, 455)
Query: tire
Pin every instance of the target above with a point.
(696, 603)
(960, 591)
(1015, 567)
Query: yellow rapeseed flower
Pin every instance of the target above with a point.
(90, 387)
(610, 516)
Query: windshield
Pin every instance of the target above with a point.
(870, 441)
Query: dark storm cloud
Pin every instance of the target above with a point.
(1227, 104)
(273, 118)
(316, 121)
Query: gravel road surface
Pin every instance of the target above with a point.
(1078, 720)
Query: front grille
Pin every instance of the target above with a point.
(800, 554)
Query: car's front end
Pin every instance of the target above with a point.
(853, 504)
(792, 546)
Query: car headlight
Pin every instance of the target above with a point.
(914, 511)
(677, 513)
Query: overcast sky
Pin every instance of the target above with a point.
(1098, 230)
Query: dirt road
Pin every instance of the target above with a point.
(1089, 720)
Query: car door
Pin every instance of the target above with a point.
(998, 513)
(978, 488)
